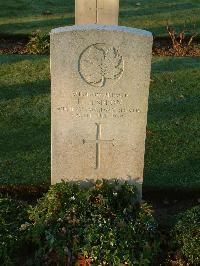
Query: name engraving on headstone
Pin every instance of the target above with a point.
(100, 64)
(98, 142)
(99, 105)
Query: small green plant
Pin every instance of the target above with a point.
(186, 235)
(102, 224)
(13, 213)
(39, 43)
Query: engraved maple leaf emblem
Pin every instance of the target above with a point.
(100, 63)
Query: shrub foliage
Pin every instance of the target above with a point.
(39, 43)
(186, 235)
(102, 224)
(13, 213)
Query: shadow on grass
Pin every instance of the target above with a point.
(174, 112)
(177, 26)
(43, 24)
(172, 157)
(177, 180)
(8, 59)
(174, 64)
(24, 8)
(24, 90)
(159, 30)
(32, 136)
(25, 153)
(170, 8)
(171, 161)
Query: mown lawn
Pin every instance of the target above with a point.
(24, 119)
(173, 140)
(26, 16)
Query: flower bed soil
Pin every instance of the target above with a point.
(161, 47)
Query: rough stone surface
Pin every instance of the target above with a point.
(100, 79)
(97, 12)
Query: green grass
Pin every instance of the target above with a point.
(25, 119)
(172, 146)
(26, 16)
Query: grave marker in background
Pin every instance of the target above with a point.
(96, 12)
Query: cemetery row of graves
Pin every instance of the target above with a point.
(101, 223)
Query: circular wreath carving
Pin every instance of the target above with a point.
(100, 65)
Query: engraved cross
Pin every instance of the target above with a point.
(98, 142)
(97, 11)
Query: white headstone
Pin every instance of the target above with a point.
(100, 84)
(96, 12)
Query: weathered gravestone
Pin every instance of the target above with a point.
(96, 12)
(100, 79)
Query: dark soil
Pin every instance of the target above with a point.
(161, 47)
(167, 51)
(10, 45)
(165, 211)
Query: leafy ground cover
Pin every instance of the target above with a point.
(26, 16)
(13, 213)
(90, 225)
(71, 225)
(172, 145)
(186, 234)
(101, 223)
